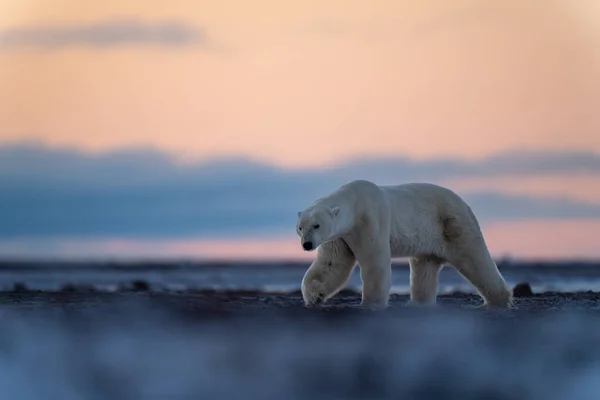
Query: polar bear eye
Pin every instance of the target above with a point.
(316, 226)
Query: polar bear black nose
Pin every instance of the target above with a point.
(307, 245)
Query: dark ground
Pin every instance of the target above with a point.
(203, 305)
(141, 344)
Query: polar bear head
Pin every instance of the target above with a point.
(316, 225)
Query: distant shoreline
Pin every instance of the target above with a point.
(136, 265)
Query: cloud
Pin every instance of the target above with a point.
(521, 162)
(411, 28)
(461, 16)
(104, 34)
(145, 194)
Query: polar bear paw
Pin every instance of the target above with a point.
(314, 293)
(373, 306)
(420, 304)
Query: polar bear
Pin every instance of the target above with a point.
(369, 224)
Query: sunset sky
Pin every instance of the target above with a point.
(195, 128)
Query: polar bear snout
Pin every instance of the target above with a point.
(314, 237)
(308, 245)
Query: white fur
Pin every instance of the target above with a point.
(371, 224)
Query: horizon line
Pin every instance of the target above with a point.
(506, 260)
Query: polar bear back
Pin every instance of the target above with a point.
(427, 219)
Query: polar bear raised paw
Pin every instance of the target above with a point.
(328, 273)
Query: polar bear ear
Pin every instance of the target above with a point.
(299, 213)
(335, 211)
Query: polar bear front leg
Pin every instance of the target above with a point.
(424, 273)
(376, 276)
(327, 275)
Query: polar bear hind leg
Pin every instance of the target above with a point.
(481, 271)
(467, 252)
(424, 273)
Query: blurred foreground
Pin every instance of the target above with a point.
(141, 344)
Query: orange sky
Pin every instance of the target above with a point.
(309, 82)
